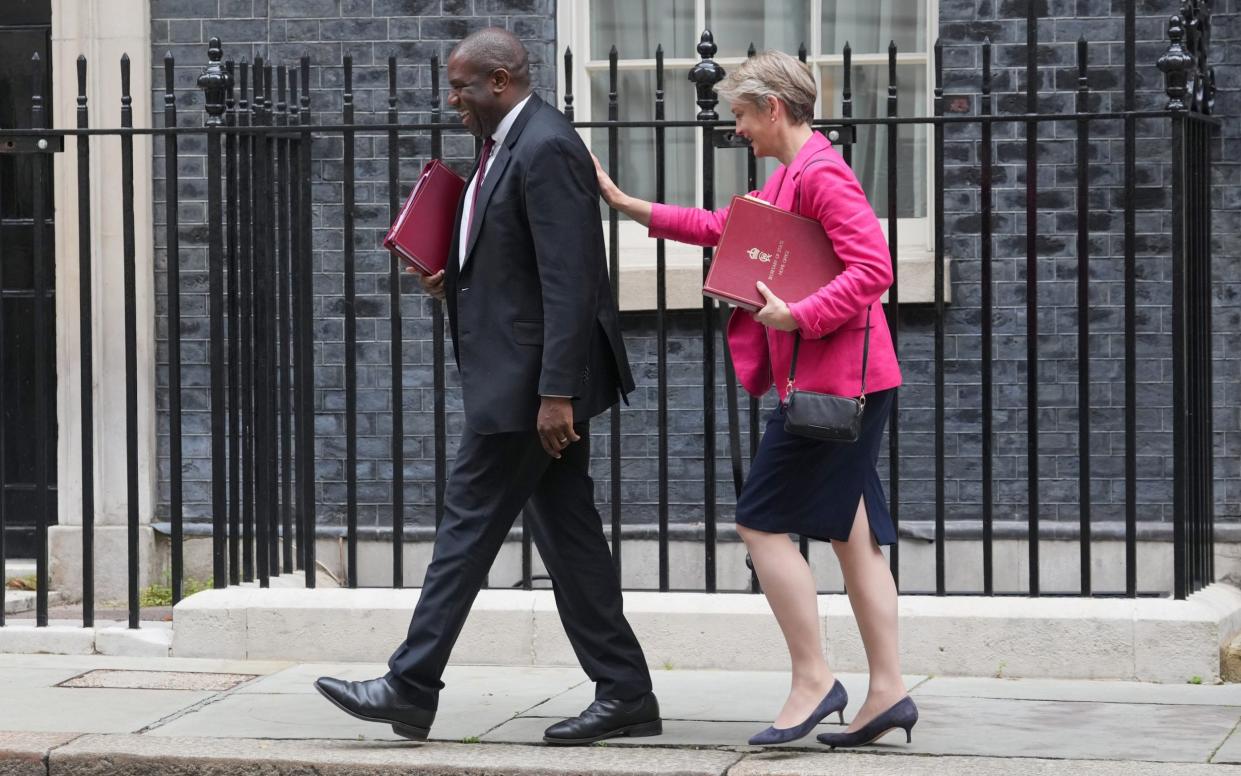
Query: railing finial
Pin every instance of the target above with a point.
(705, 75)
(1189, 79)
(1175, 64)
(214, 82)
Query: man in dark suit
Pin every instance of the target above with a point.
(537, 340)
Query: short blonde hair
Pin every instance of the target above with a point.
(773, 74)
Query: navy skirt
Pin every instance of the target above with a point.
(811, 488)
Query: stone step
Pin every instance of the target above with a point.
(21, 601)
(68, 637)
(1157, 640)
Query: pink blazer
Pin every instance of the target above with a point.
(833, 319)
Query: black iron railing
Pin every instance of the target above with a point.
(260, 135)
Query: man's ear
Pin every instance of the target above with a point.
(500, 80)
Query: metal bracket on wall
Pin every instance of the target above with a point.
(28, 144)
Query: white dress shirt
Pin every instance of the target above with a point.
(498, 136)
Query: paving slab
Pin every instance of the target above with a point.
(285, 705)
(59, 709)
(285, 716)
(462, 683)
(14, 680)
(986, 727)
(677, 732)
(1072, 730)
(299, 679)
(838, 763)
(299, 716)
(153, 755)
(741, 696)
(1230, 750)
(969, 726)
(88, 662)
(1070, 690)
(22, 754)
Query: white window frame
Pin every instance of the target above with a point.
(915, 253)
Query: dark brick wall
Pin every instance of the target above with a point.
(371, 30)
(962, 25)
(1226, 200)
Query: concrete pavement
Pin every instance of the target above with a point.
(107, 715)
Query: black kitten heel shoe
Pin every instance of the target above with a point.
(833, 703)
(902, 716)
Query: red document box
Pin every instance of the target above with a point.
(788, 252)
(422, 233)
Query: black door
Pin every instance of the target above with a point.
(25, 29)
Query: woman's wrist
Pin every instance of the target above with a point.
(619, 201)
(637, 209)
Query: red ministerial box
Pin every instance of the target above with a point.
(790, 253)
(422, 232)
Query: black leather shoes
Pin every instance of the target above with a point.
(608, 719)
(375, 701)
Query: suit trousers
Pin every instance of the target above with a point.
(494, 477)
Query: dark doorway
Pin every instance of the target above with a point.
(25, 29)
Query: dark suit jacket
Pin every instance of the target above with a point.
(531, 310)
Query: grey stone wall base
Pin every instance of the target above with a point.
(1156, 640)
(62, 637)
(1059, 560)
(111, 544)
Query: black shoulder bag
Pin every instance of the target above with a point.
(825, 416)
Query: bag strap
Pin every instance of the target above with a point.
(797, 191)
(797, 339)
(865, 355)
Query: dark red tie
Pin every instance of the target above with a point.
(488, 144)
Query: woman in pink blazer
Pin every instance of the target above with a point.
(823, 490)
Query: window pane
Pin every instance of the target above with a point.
(869, 26)
(636, 97)
(732, 173)
(870, 153)
(778, 24)
(636, 27)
